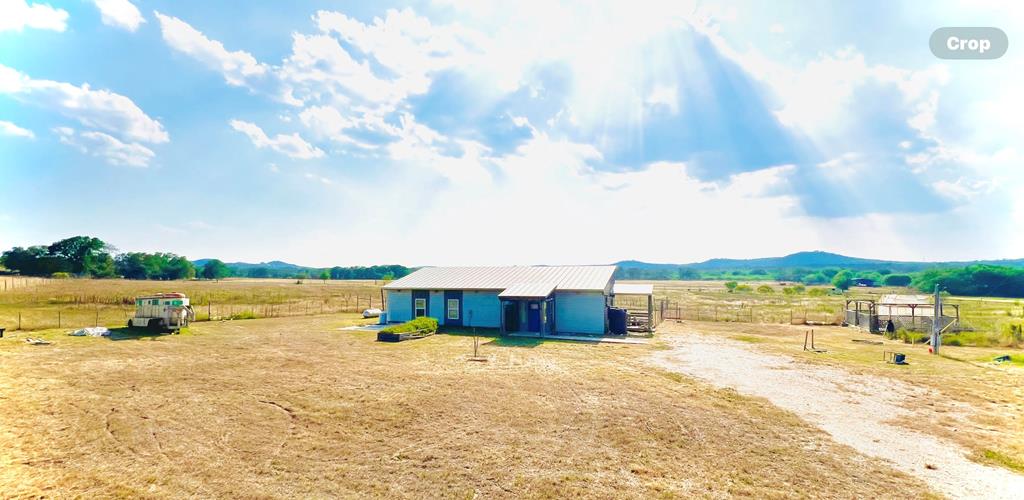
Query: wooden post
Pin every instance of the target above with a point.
(58, 318)
(19, 320)
(97, 323)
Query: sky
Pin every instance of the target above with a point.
(534, 132)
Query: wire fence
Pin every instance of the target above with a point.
(676, 311)
(113, 312)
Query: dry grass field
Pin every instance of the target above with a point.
(986, 317)
(976, 403)
(296, 407)
(39, 304)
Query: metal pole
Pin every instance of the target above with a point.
(936, 314)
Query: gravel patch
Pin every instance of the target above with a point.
(856, 410)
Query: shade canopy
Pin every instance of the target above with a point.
(632, 289)
(528, 291)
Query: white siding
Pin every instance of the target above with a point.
(578, 312)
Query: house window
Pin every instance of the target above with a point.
(155, 302)
(421, 308)
(453, 308)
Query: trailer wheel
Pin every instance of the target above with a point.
(130, 325)
(156, 324)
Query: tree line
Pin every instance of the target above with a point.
(86, 256)
(978, 280)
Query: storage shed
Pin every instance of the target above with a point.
(545, 300)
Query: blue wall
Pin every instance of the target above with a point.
(437, 306)
(577, 312)
(486, 309)
(399, 306)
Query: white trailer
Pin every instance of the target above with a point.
(163, 311)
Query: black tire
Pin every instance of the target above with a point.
(130, 325)
(156, 324)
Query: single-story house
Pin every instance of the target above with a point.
(546, 300)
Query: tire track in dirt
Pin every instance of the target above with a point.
(292, 418)
(856, 410)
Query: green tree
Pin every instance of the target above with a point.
(215, 269)
(897, 280)
(842, 280)
(325, 275)
(731, 286)
(84, 254)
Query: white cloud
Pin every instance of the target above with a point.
(321, 179)
(18, 14)
(120, 13)
(777, 28)
(291, 145)
(320, 67)
(239, 67)
(407, 44)
(104, 146)
(666, 96)
(8, 128)
(100, 109)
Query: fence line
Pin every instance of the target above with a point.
(77, 315)
(748, 314)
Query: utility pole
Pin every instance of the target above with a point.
(936, 324)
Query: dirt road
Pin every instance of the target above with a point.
(856, 410)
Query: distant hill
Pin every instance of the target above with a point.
(811, 260)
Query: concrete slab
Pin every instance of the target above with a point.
(582, 338)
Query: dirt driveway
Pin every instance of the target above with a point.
(856, 410)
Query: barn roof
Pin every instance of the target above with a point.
(578, 278)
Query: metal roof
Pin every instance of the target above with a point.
(633, 289)
(578, 278)
(528, 291)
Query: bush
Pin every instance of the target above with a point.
(424, 323)
(896, 280)
(744, 288)
(60, 276)
(911, 337)
(818, 292)
(765, 289)
(731, 285)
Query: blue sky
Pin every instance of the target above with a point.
(353, 133)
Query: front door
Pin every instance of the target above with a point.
(533, 317)
(453, 307)
(511, 315)
(420, 303)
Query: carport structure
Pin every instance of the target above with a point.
(638, 301)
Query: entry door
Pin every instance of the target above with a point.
(453, 307)
(420, 303)
(511, 316)
(533, 317)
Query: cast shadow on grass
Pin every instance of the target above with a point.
(125, 333)
(496, 339)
